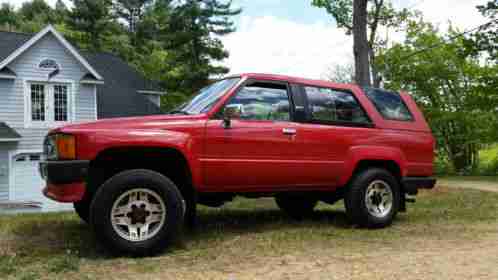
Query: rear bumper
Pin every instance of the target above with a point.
(411, 185)
(65, 179)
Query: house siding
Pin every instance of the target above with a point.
(4, 172)
(12, 107)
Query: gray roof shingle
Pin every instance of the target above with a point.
(7, 71)
(11, 41)
(7, 132)
(118, 96)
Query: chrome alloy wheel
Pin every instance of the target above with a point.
(379, 199)
(138, 215)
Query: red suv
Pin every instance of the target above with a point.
(137, 180)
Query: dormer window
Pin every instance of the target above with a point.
(48, 64)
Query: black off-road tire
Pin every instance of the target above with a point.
(355, 202)
(295, 206)
(109, 192)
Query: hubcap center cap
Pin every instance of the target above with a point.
(376, 199)
(138, 215)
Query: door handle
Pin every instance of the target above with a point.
(289, 131)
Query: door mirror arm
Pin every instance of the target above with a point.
(230, 112)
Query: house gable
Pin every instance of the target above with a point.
(33, 40)
(15, 93)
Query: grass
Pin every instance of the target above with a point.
(490, 179)
(59, 246)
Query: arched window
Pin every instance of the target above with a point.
(48, 64)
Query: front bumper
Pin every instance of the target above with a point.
(65, 179)
(411, 185)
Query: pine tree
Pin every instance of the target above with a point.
(194, 25)
(8, 18)
(92, 19)
(131, 11)
(61, 11)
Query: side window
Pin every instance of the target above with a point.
(330, 105)
(389, 104)
(263, 101)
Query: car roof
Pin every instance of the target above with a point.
(296, 80)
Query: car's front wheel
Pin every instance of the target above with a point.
(137, 212)
(373, 198)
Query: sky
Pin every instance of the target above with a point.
(292, 37)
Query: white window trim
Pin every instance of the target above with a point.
(28, 123)
(95, 102)
(12, 154)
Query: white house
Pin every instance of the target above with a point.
(45, 82)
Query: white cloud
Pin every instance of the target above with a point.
(461, 13)
(279, 46)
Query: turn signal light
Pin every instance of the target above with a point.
(66, 146)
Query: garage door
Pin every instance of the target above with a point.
(27, 183)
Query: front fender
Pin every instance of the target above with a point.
(91, 142)
(359, 153)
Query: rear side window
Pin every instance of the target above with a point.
(389, 104)
(328, 105)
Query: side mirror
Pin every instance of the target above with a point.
(231, 111)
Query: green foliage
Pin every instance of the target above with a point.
(93, 19)
(456, 90)
(35, 9)
(380, 13)
(341, 10)
(8, 17)
(486, 38)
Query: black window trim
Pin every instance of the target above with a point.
(309, 118)
(219, 115)
(412, 117)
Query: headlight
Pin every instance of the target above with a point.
(60, 146)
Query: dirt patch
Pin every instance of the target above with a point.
(467, 184)
(418, 259)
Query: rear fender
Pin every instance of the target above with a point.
(359, 153)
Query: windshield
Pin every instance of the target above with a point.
(207, 97)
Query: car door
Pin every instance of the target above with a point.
(334, 122)
(256, 150)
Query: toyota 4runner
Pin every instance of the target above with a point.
(137, 180)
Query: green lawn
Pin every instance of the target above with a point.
(490, 179)
(59, 246)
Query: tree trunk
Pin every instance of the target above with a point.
(360, 45)
(377, 79)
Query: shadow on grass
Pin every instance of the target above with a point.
(56, 236)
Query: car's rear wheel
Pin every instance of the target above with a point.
(296, 206)
(373, 198)
(137, 212)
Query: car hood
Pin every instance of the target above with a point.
(147, 122)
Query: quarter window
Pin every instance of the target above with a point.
(328, 105)
(389, 104)
(263, 101)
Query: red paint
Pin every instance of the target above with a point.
(256, 155)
